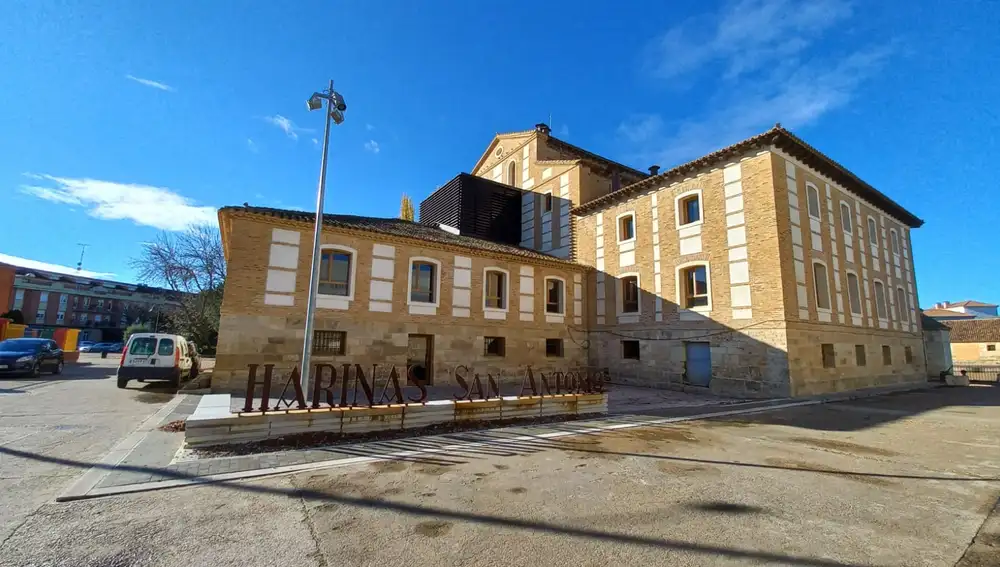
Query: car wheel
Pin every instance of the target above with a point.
(36, 370)
(122, 382)
(59, 368)
(175, 380)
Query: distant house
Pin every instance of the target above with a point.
(975, 341)
(960, 310)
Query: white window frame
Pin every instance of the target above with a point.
(873, 238)
(679, 285)
(437, 281)
(620, 299)
(904, 307)
(351, 272)
(505, 291)
(885, 300)
(618, 227)
(857, 280)
(678, 217)
(60, 316)
(829, 295)
(819, 202)
(545, 294)
(893, 242)
(849, 229)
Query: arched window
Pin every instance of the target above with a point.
(512, 174)
(853, 293)
(822, 284)
(880, 308)
(845, 218)
(812, 200)
(872, 232)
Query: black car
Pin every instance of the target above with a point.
(30, 356)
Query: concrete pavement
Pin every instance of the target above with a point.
(900, 480)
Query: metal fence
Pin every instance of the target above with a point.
(979, 374)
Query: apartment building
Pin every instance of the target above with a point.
(764, 269)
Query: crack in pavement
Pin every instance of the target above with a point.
(320, 558)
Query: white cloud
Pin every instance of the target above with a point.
(372, 146)
(157, 207)
(753, 65)
(151, 83)
(286, 125)
(563, 131)
(369, 127)
(315, 142)
(252, 146)
(45, 266)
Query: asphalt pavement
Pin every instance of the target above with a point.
(906, 479)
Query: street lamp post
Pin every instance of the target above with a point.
(335, 108)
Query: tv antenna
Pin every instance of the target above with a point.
(83, 250)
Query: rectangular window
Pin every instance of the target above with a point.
(904, 309)
(18, 299)
(894, 242)
(829, 357)
(422, 282)
(166, 347)
(495, 288)
(335, 273)
(547, 203)
(690, 209)
(991, 348)
(886, 355)
(872, 232)
(626, 228)
(880, 300)
(331, 343)
(142, 346)
(76, 301)
(554, 347)
(822, 286)
(860, 356)
(40, 316)
(553, 296)
(695, 282)
(845, 218)
(630, 350)
(853, 293)
(908, 354)
(812, 198)
(494, 346)
(63, 300)
(630, 294)
(60, 317)
(86, 302)
(100, 304)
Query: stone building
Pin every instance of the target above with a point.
(763, 269)
(976, 341)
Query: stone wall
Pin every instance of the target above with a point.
(976, 353)
(937, 348)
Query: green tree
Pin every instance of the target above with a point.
(136, 328)
(406, 208)
(15, 316)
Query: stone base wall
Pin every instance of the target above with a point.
(810, 377)
(261, 339)
(748, 363)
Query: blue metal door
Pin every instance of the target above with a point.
(699, 363)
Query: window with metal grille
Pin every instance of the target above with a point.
(335, 273)
(329, 342)
(829, 356)
(554, 347)
(630, 349)
(494, 346)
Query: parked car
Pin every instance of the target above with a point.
(85, 346)
(95, 347)
(157, 356)
(30, 356)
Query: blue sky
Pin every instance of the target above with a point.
(119, 119)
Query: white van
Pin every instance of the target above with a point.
(157, 356)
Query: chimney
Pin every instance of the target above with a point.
(654, 169)
(542, 128)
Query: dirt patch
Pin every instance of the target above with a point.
(501, 467)
(481, 475)
(661, 434)
(429, 469)
(518, 490)
(843, 446)
(153, 397)
(359, 484)
(388, 466)
(814, 467)
(677, 468)
(433, 528)
(173, 427)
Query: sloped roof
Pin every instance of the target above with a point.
(940, 313)
(776, 136)
(401, 228)
(971, 303)
(931, 324)
(974, 330)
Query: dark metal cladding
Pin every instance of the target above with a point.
(477, 207)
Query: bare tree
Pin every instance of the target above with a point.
(193, 264)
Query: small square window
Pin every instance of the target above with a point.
(690, 209)
(886, 355)
(554, 347)
(547, 203)
(860, 356)
(626, 228)
(991, 348)
(908, 354)
(630, 349)
(829, 357)
(494, 346)
(331, 343)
